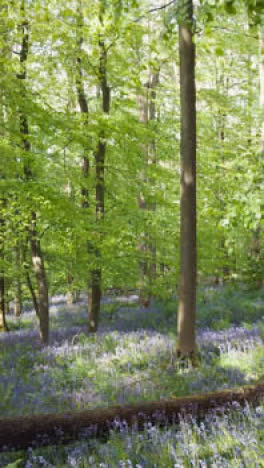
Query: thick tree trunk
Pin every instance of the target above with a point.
(187, 293)
(47, 429)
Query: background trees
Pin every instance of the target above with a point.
(89, 155)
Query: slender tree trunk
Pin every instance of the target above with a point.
(187, 292)
(143, 107)
(255, 250)
(261, 92)
(3, 325)
(70, 293)
(37, 256)
(221, 135)
(28, 279)
(17, 285)
(18, 299)
(154, 81)
(94, 278)
(95, 292)
(42, 284)
(146, 247)
(4, 55)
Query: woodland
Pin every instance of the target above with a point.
(131, 233)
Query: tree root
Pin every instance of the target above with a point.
(39, 430)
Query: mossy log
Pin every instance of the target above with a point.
(46, 429)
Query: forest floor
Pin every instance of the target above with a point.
(131, 359)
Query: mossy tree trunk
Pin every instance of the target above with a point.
(47, 429)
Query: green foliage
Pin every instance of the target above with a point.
(230, 167)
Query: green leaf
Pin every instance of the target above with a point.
(230, 7)
(15, 464)
(219, 52)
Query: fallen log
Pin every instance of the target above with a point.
(46, 429)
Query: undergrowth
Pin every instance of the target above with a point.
(124, 363)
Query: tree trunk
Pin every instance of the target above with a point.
(146, 247)
(37, 256)
(18, 300)
(53, 429)
(3, 325)
(70, 293)
(29, 282)
(18, 287)
(94, 299)
(94, 279)
(42, 284)
(187, 293)
(256, 250)
(261, 92)
(95, 292)
(152, 270)
(142, 245)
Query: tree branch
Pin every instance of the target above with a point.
(154, 9)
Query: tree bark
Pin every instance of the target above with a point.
(37, 256)
(261, 91)
(18, 300)
(95, 291)
(29, 282)
(3, 325)
(17, 285)
(255, 248)
(46, 429)
(154, 81)
(143, 106)
(42, 284)
(187, 292)
(146, 246)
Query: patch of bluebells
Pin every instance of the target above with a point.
(231, 436)
(78, 371)
(120, 365)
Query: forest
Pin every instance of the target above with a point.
(131, 233)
